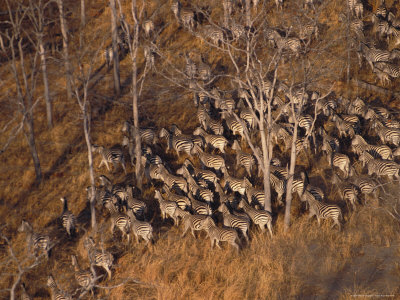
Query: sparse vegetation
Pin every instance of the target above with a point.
(44, 149)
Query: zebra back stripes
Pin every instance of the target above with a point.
(217, 234)
(237, 222)
(67, 218)
(110, 155)
(259, 217)
(140, 228)
(322, 210)
(35, 241)
(101, 258)
(167, 207)
(85, 278)
(216, 141)
(55, 292)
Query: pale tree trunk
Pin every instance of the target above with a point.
(248, 12)
(114, 33)
(86, 129)
(83, 14)
(49, 110)
(289, 183)
(138, 166)
(64, 32)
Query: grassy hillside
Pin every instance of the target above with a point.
(306, 262)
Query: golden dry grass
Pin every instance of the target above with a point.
(304, 263)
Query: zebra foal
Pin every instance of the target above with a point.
(37, 241)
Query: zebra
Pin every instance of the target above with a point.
(248, 116)
(110, 155)
(216, 141)
(347, 191)
(395, 34)
(172, 180)
(195, 223)
(237, 31)
(84, 278)
(290, 43)
(279, 186)
(167, 207)
(67, 217)
(381, 11)
(199, 207)
(237, 127)
(108, 55)
(187, 18)
(307, 31)
(357, 26)
(279, 4)
(202, 193)
(215, 162)
(182, 202)
(322, 210)
(190, 67)
(243, 159)
(196, 139)
(357, 107)
(387, 135)
(373, 55)
(344, 128)
(217, 234)
(215, 126)
(255, 195)
(259, 217)
(358, 9)
(341, 161)
(100, 258)
(215, 34)
(119, 220)
(204, 70)
(38, 241)
(359, 145)
(178, 143)
(225, 104)
(382, 76)
(367, 186)
(201, 114)
(230, 220)
(148, 53)
(390, 69)
(148, 27)
(380, 167)
(176, 8)
(199, 174)
(55, 292)
(147, 135)
(140, 228)
(234, 184)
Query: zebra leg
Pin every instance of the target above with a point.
(217, 243)
(269, 225)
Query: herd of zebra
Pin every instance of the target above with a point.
(191, 178)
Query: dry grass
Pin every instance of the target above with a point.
(303, 263)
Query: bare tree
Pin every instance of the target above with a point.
(37, 18)
(64, 32)
(115, 57)
(25, 88)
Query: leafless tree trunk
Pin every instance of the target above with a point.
(64, 32)
(25, 90)
(36, 16)
(83, 14)
(248, 13)
(114, 33)
(133, 52)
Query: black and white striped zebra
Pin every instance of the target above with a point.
(177, 143)
(215, 126)
(55, 292)
(67, 218)
(387, 135)
(35, 241)
(373, 55)
(237, 30)
(322, 210)
(213, 161)
(216, 141)
(359, 145)
(381, 10)
(341, 161)
(190, 67)
(200, 174)
(243, 159)
(217, 234)
(172, 181)
(140, 228)
(233, 184)
(215, 34)
(195, 223)
(84, 278)
(390, 69)
(176, 8)
(183, 202)
(110, 155)
(279, 187)
(380, 167)
(234, 125)
(237, 222)
(348, 191)
(119, 220)
(259, 217)
(187, 18)
(148, 27)
(255, 196)
(100, 258)
(167, 207)
(199, 207)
